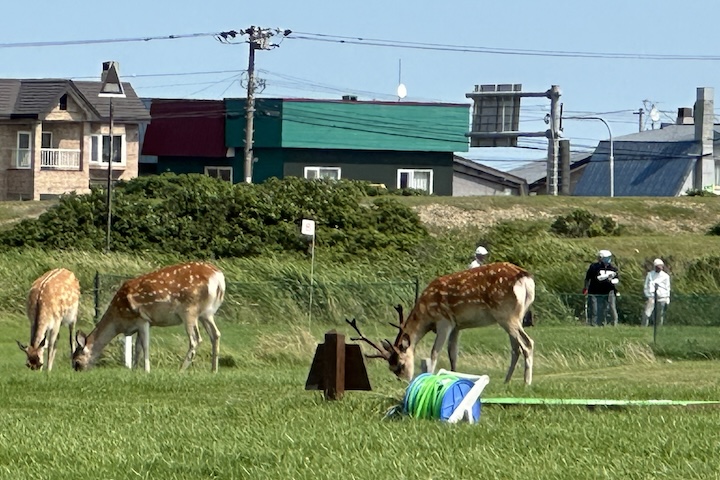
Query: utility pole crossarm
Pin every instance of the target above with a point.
(258, 39)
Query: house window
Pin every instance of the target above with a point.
(332, 173)
(418, 179)
(62, 104)
(223, 173)
(46, 140)
(22, 153)
(118, 149)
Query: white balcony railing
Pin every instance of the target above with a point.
(60, 159)
(50, 158)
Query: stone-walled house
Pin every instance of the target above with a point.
(54, 137)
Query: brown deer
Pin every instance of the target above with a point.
(52, 302)
(185, 294)
(497, 293)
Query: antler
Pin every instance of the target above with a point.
(399, 309)
(383, 353)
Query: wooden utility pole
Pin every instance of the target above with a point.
(640, 114)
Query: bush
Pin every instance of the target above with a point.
(202, 217)
(581, 223)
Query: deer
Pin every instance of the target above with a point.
(53, 301)
(187, 294)
(497, 293)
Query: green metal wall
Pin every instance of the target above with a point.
(376, 167)
(375, 126)
(267, 123)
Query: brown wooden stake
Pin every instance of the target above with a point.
(334, 364)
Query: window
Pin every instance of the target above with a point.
(332, 173)
(62, 104)
(118, 149)
(22, 154)
(46, 140)
(418, 179)
(223, 173)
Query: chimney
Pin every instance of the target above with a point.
(350, 98)
(704, 136)
(685, 116)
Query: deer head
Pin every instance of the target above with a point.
(34, 355)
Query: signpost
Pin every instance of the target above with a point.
(308, 228)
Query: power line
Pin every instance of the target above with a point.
(65, 43)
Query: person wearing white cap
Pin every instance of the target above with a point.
(657, 282)
(600, 288)
(480, 256)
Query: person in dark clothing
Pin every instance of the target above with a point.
(601, 280)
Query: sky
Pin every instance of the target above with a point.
(610, 58)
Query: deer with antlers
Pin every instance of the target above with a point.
(497, 293)
(53, 301)
(184, 294)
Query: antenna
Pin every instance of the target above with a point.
(401, 89)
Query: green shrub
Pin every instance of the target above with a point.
(581, 223)
(202, 217)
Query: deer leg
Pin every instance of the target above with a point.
(214, 334)
(71, 329)
(528, 348)
(52, 336)
(143, 338)
(520, 342)
(192, 331)
(453, 347)
(443, 332)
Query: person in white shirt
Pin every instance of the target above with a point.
(658, 281)
(480, 256)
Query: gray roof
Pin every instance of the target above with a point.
(127, 109)
(497, 175)
(35, 97)
(641, 168)
(537, 169)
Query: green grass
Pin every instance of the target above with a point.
(255, 420)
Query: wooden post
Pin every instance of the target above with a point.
(334, 364)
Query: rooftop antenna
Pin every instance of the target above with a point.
(401, 89)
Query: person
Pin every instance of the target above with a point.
(600, 289)
(656, 281)
(480, 256)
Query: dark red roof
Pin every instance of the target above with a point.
(186, 128)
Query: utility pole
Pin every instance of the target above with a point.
(258, 39)
(640, 113)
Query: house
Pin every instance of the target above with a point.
(473, 178)
(666, 162)
(398, 144)
(55, 138)
(187, 136)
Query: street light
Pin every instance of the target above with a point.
(111, 88)
(612, 157)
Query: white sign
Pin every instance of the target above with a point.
(308, 227)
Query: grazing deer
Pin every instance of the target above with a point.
(174, 295)
(497, 293)
(52, 302)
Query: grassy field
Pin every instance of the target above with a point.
(255, 420)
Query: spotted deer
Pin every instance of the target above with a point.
(184, 294)
(52, 302)
(496, 293)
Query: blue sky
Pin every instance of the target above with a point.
(610, 87)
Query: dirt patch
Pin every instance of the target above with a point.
(450, 217)
(446, 216)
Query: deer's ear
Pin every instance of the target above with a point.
(404, 342)
(80, 338)
(22, 347)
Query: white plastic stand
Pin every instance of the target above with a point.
(464, 409)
